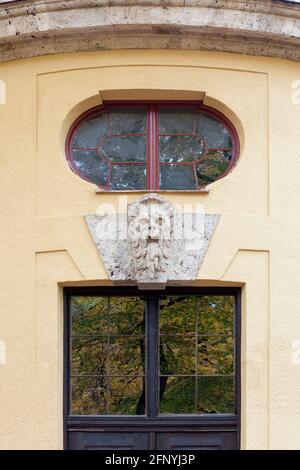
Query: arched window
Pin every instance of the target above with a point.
(152, 146)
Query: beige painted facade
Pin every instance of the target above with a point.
(45, 243)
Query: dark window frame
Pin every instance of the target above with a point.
(216, 422)
(152, 158)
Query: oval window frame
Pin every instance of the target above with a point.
(207, 110)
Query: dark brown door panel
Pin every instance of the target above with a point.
(196, 440)
(108, 440)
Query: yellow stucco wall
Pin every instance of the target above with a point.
(45, 244)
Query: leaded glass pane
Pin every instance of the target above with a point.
(127, 120)
(91, 166)
(213, 165)
(128, 177)
(182, 148)
(91, 131)
(176, 120)
(177, 177)
(124, 149)
(214, 132)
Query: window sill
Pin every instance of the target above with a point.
(160, 191)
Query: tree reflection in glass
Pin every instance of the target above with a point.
(196, 369)
(197, 355)
(107, 355)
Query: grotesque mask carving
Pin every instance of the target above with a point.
(150, 232)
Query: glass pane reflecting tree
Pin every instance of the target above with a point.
(107, 355)
(112, 340)
(197, 355)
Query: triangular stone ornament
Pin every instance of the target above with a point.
(153, 244)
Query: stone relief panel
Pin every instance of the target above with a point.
(150, 236)
(154, 243)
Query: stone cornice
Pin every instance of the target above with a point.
(38, 27)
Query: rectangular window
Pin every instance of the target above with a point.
(153, 354)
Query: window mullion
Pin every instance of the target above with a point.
(152, 388)
(153, 149)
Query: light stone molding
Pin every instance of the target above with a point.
(155, 243)
(39, 27)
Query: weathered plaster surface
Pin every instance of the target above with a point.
(39, 27)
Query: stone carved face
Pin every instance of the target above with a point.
(150, 231)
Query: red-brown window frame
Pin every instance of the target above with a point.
(152, 139)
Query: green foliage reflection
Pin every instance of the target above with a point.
(196, 355)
